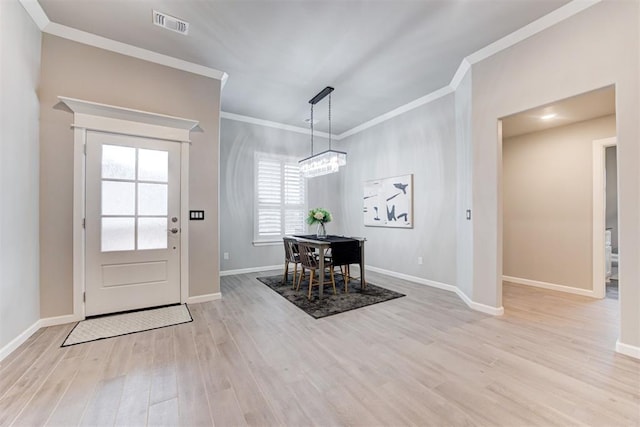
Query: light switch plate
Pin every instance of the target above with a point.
(196, 215)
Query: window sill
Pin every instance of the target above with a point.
(267, 242)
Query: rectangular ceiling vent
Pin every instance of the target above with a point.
(170, 22)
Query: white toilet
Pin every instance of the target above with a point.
(607, 254)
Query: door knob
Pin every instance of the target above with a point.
(174, 230)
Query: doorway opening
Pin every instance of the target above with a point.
(553, 236)
(605, 217)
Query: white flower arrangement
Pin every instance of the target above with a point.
(318, 215)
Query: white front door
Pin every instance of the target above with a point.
(132, 223)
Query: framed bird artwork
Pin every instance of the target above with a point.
(388, 202)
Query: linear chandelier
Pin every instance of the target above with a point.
(328, 161)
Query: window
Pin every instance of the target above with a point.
(280, 203)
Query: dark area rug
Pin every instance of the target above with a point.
(330, 304)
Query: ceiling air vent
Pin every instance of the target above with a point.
(170, 22)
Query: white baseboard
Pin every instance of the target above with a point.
(251, 270)
(483, 308)
(550, 286)
(628, 350)
(204, 298)
(413, 279)
(58, 320)
(19, 340)
(494, 311)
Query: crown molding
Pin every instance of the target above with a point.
(38, 16)
(270, 124)
(36, 13)
(79, 106)
(572, 8)
(397, 111)
(465, 66)
(567, 11)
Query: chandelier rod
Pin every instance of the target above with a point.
(313, 101)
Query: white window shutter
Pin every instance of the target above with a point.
(280, 198)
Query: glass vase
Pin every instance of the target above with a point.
(321, 233)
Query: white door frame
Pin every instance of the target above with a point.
(599, 214)
(91, 116)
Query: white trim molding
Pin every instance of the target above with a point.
(549, 20)
(423, 100)
(599, 222)
(204, 298)
(58, 320)
(109, 118)
(275, 125)
(184, 224)
(565, 12)
(570, 9)
(494, 311)
(550, 286)
(43, 22)
(628, 350)
(251, 270)
(483, 308)
(89, 115)
(414, 279)
(12, 345)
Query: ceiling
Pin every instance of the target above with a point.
(378, 54)
(587, 106)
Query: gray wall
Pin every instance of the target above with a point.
(79, 71)
(421, 142)
(20, 59)
(547, 204)
(464, 185)
(238, 143)
(611, 165)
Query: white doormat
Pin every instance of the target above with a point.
(127, 323)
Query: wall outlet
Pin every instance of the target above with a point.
(419, 260)
(226, 256)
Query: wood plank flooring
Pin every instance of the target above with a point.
(255, 359)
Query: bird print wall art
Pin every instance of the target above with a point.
(388, 202)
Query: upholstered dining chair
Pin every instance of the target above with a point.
(309, 261)
(291, 256)
(343, 254)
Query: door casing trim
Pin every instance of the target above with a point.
(91, 116)
(599, 214)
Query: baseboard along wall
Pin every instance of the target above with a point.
(204, 298)
(251, 270)
(494, 311)
(550, 286)
(628, 350)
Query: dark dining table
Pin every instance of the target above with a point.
(341, 253)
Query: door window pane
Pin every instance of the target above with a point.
(152, 233)
(152, 199)
(153, 165)
(118, 162)
(118, 234)
(118, 198)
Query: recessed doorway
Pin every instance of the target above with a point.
(549, 239)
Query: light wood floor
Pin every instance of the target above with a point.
(255, 359)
